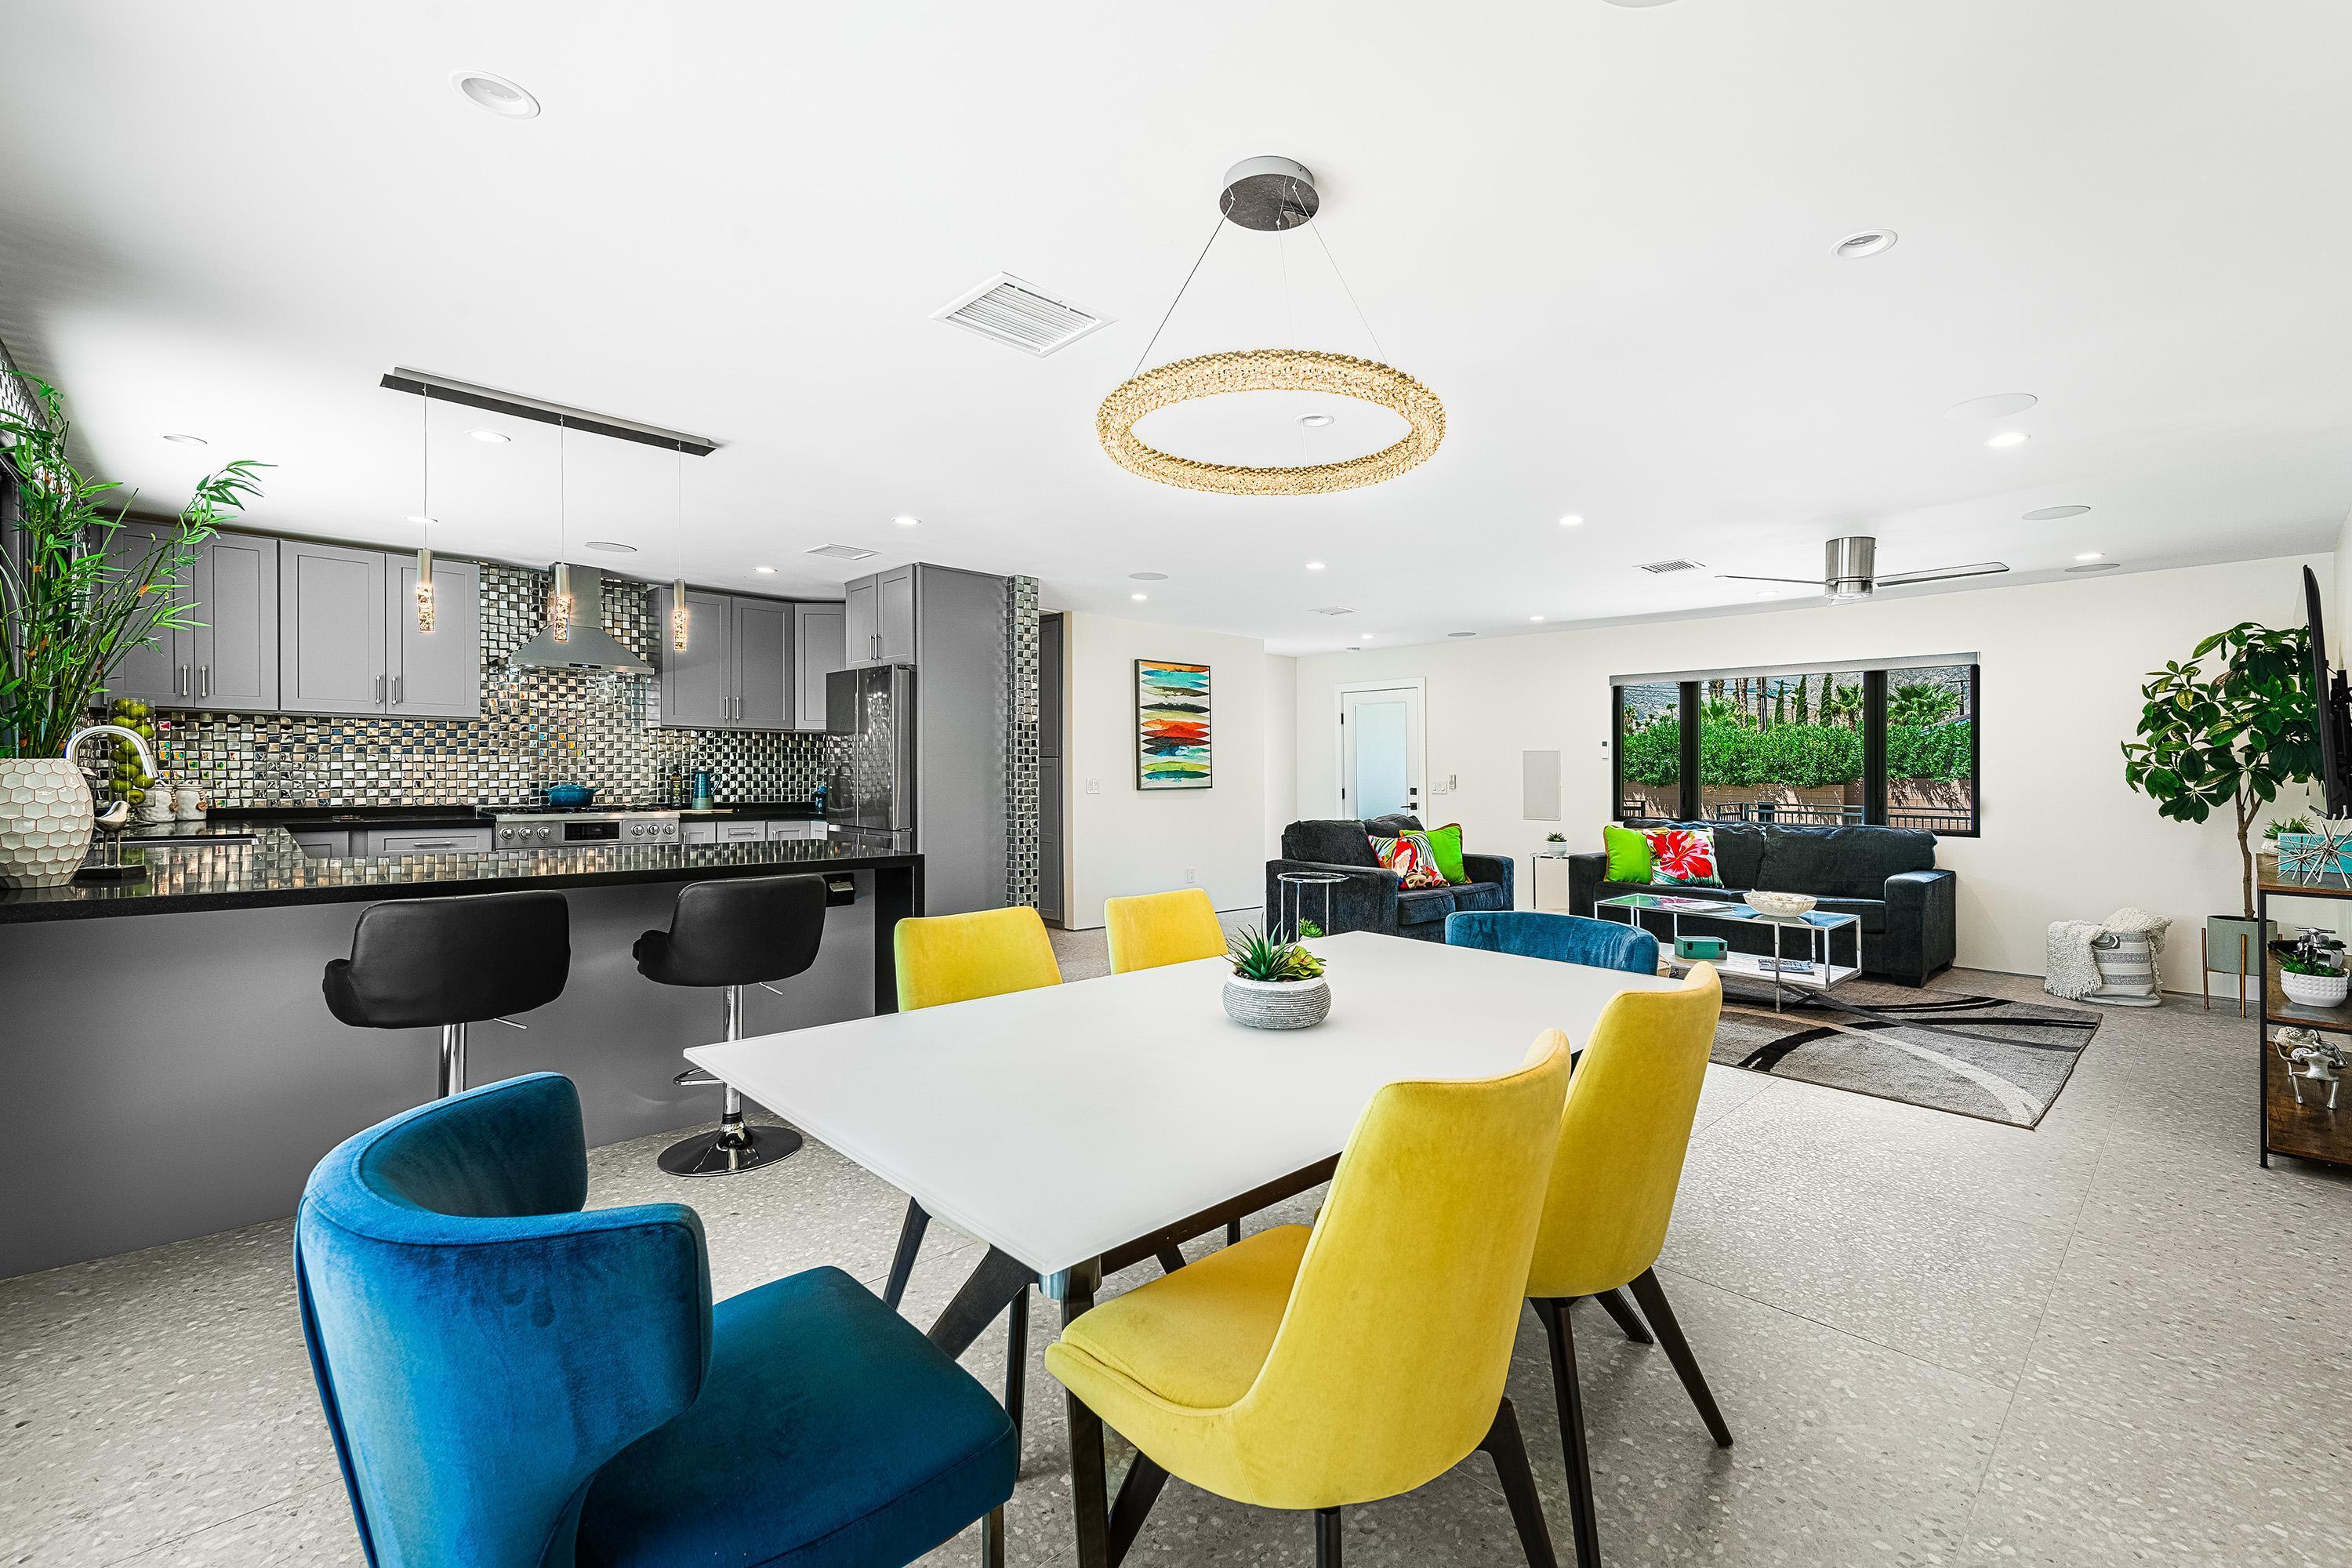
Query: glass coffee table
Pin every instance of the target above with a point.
(1802, 971)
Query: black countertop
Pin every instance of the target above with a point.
(270, 871)
(300, 817)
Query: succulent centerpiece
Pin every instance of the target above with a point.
(1276, 982)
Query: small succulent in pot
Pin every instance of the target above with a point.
(1275, 983)
(2311, 969)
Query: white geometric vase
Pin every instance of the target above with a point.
(45, 821)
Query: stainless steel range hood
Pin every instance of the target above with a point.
(589, 646)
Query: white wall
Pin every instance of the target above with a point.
(1124, 840)
(2063, 837)
(1281, 752)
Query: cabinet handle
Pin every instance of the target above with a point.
(379, 689)
(180, 681)
(203, 680)
(435, 844)
(399, 690)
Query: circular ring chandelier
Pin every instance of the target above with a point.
(1270, 370)
(1270, 195)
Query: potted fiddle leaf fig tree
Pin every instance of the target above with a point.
(74, 609)
(2228, 729)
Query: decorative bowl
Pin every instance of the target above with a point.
(1278, 1004)
(1779, 903)
(2314, 990)
(570, 795)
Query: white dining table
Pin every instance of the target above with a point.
(1078, 1129)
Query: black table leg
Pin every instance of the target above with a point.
(999, 1281)
(1089, 1494)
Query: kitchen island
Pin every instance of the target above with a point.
(172, 1069)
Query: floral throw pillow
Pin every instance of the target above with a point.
(1683, 855)
(1410, 856)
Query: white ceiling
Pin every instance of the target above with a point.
(1602, 235)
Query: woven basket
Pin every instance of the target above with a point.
(1278, 1004)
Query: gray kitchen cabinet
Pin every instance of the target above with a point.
(229, 663)
(795, 828)
(734, 832)
(155, 672)
(895, 614)
(765, 697)
(323, 843)
(880, 617)
(737, 671)
(699, 833)
(330, 607)
(235, 651)
(697, 682)
(861, 621)
(818, 650)
(435, 674)
(383, 841)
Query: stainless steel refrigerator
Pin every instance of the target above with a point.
(873, 788)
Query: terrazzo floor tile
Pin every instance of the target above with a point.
(146, 1397)
(2066, 1491)
(1844, 1452)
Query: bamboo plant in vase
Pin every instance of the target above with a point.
(75, 609)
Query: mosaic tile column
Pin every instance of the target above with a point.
(1021, 808)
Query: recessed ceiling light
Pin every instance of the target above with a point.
(2053, 513)
(1370, 636)
(2009, 438)
(2095, 566)
(1139, 598)
(1999, 406)
(906, 521)
(1571, 521)
(1147, 576)
(1535, 618)
(492, 437)
(1315, 421)
(1315, 566)
(611, 547)
(1863, 242)
(2092, 556)
(765, 571)
(1640, 5)
(189, 440)
(424, 521)
(484, 89)
(1461, 633)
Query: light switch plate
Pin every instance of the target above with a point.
(1093, 786)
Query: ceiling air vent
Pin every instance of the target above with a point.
(1333, 610)
(1662, 567)
(1019, 315)
(844, 553)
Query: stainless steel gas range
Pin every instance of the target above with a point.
(589, 827)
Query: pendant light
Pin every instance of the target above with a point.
(677, 613)
(559, 602)
(425, 518)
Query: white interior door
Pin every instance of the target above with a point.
(1380, 757)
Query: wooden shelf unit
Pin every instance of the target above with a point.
(2308, 1129)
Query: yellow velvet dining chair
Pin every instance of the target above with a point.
(1622, 1137)
(1315, 1368)
(944, 959)
(1155, 929)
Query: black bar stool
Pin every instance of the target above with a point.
(418, 962)
(733, 934)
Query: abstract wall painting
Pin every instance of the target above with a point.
(1171, 725)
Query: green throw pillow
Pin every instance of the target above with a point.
(1445, 844)
(1629, 854)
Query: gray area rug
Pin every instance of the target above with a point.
(1985, 1056)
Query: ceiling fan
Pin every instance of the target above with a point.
(1849, 571)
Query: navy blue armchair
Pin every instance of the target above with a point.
(1369, 898)
(513, 1383)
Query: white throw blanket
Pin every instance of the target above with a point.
(2072, 971)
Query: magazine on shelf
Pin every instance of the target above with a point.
(1785, 966)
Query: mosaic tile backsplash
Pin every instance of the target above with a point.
(1023, 823)
(538, 727)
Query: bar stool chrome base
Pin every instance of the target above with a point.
(730, 1152)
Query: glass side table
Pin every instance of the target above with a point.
(1292, 896)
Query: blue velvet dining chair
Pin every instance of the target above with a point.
(513, 1383)
(1565, 939)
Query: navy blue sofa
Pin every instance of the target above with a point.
(1373, 898)
(1885, 877)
